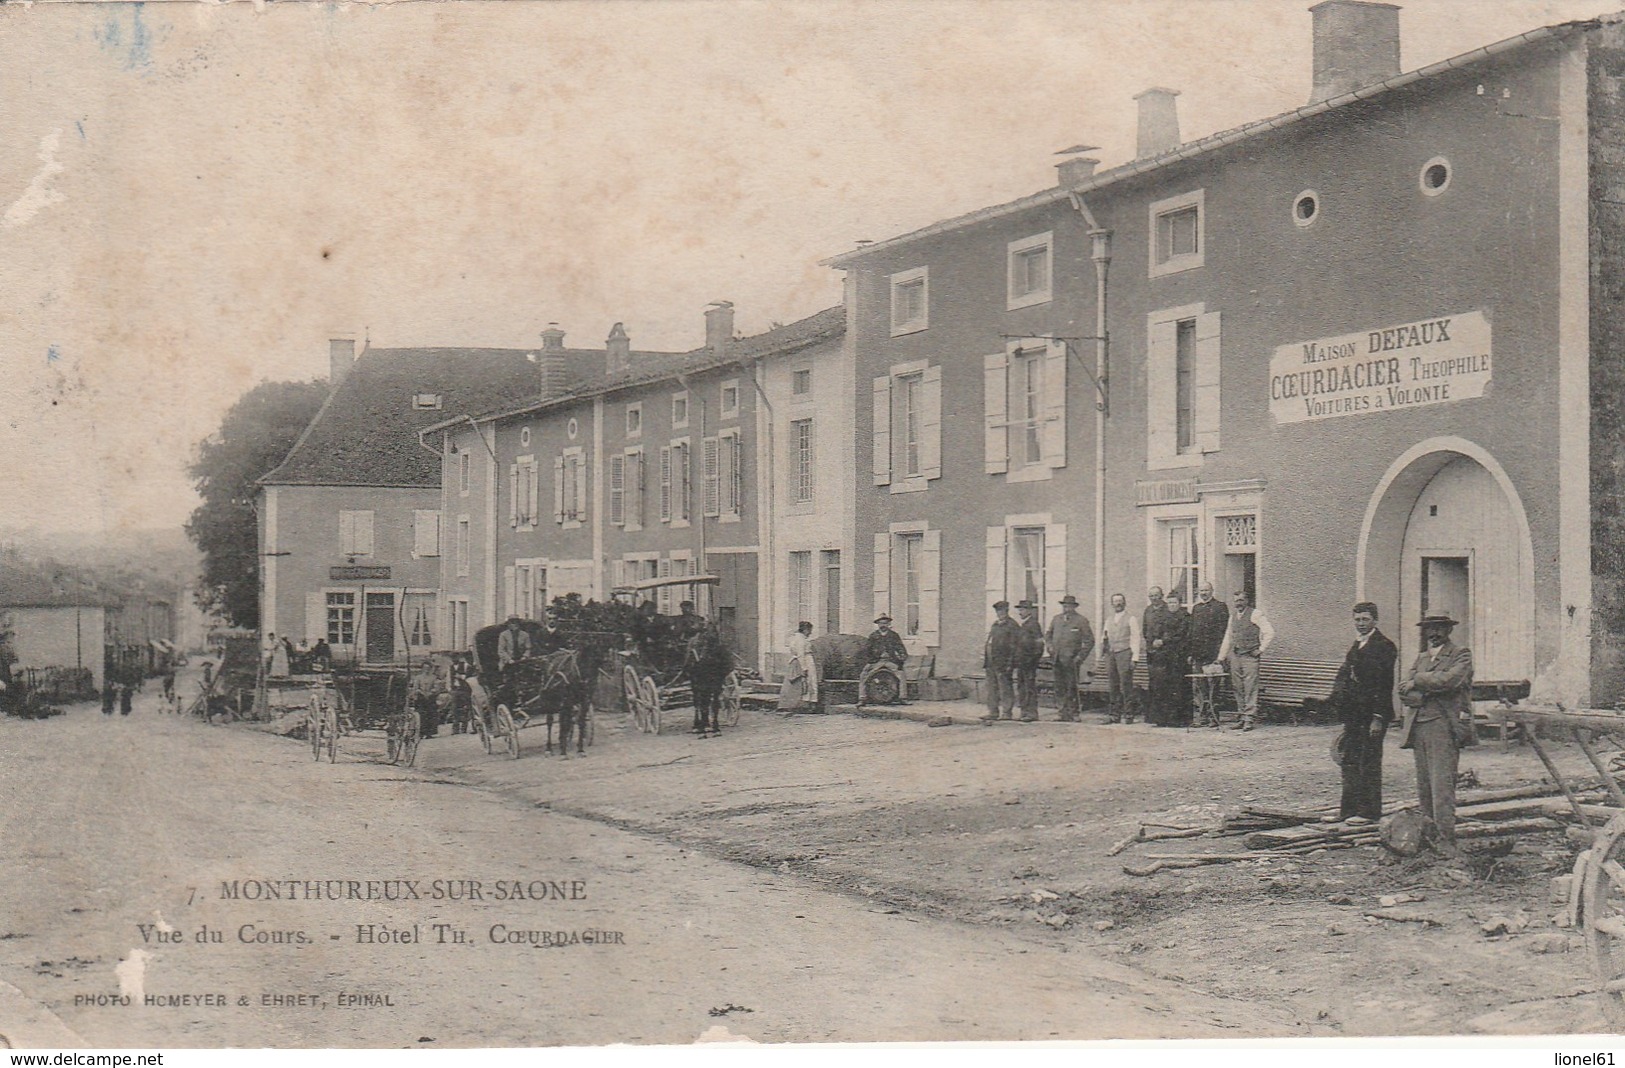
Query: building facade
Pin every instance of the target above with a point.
(1354, 353)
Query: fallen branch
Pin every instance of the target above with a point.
(1405, 917)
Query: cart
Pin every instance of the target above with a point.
(344, 703)
(554, 685)
(654, 677)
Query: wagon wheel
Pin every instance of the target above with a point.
(882, 687)
(507, 730)
(634, 700)
(589, 719)
(411, 734)
(651, 703)
(1602, 903)
(392, 741)
(330, 717)
(728, 701)
(313, 728)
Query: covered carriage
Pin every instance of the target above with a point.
(551, 687)
(655, 672)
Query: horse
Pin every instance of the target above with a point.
(707, 661)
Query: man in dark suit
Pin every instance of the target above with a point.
(1209, 620)
(1164, 637)
(1030, 653)
(999, 659)
(1437, 694)
(1364, 698)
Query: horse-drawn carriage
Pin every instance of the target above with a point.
(554, 683)
(672, 663)
(349, 702)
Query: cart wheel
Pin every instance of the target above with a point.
(392, 744)
(588, 722)
(332, 718)
(1602, 904)
(629, 691)
(651, 703)
(313, 728)
(728, 701)
(410, 738)
(507, 730)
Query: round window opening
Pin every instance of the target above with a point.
(574, 428)
(1435, 176)
(524, 437)
(1306, 209)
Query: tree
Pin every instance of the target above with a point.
(253, 439)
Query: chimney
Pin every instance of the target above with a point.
(1073, 171)
(340, 358)
(618, 350)
(553, 361)
(552, 337)
(1356, 44)
(1159, 122)
(719, 326)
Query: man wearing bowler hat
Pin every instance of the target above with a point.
(1031, 651)
(884, 645)
(1070, 642)
(999, 659)
(1437, 695)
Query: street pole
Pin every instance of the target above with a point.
(1101, 253)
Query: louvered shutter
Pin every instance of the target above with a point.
(1207, 382)
(533, 506)
(581, 488)
(1055, 586)
(617, 490)
(995, 402)
(1052, 435)
(425, 532)
(931, 422)
(882, 434)
(665, 483)
(708, 461)
(734, 487)
(996, 562)
(1162, 343)
(558, 489)
(347, 533)
(315, 617)
(664, 594)
(513, 495)
(882, 576)
(931, 588)
(634, 490)
(684, 484)
(363, 533)
(508, 587)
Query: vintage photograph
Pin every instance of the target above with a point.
(538, 524)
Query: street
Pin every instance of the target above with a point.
(126, 836)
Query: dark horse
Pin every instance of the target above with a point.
(557, 685)
(707, 662)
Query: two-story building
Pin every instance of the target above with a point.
(350, 521)
(1365, 349)
(649, 468)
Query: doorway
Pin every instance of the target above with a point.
(832, 591)
(1446, 585)
(380, 628)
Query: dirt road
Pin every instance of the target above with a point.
(123, 836)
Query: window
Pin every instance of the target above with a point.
(1184, 558)
(1177, 242)
(355, 533)
(1027, 405)
(1026, 560)
(676, 493)
(1435, 176)
(570, 486)
(909, 301)
(457, 620)
(910, 550)
(1029, 263)
(908, 426)
(464, 542)
(1024, 574)
(419, 610)
(801, 461)
(426, 402)
(801, 382)
(1306, 208)
(1024, 398)
(634, 420)
(341, 618)
(679, 410)
(907, 580)
(730, 399)
(801, 587)
(1182, 386)
(523, 489)
(1237, 564)
(425, 532)
(832, 591)
(464, 462)
(1185, 385)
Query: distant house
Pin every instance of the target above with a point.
(350, 522)
(55, 620)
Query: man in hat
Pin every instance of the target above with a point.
(1363, 696)
(885, 646)
(1164, 636)
(1437, 694)
(513, 644)
(1028, 655)
(999, 658)
(1070, 641)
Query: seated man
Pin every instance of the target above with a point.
(884, 651)
(513, 645)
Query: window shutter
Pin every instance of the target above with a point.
(617, 490)
(1161, 340)
(663, 595)
(363, 533)
(315, 616)
(558, 489)
(533, 508)
(931, 422)
(508, 587)
(882, 436)
(634, 490)
(347, 533)
(513, 495)
(581, 488)
(685, 482)
(665, 483)
(425, 532)
(1207, 382)
(708, 460)
(734, 487)
(1053, 433)
(882, 582)
(930, 588)
(995, 399)
(996, 550)
(1054, 568)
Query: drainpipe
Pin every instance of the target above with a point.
(1101, 253)
(766, 517)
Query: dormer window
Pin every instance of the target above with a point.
(426, 402)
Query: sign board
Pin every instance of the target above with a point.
(1165, 491)
(1408, 366)
(354, 573)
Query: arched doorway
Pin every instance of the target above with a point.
(1445, 531)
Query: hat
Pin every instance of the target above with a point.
(1441, 619)
(883, 618)
(1024, 603)
(1069, 599)
(514, 619)
(1000, 604)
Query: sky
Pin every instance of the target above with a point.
(195, 196)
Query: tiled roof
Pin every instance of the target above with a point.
(366, 433)
(653, 367)
(29, 586)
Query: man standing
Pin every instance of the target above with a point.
(1209, 619)
(1120, 645)
(1070, 641)
(999, 658)
(1027, 658)
(1438, 695)
(1164, 662)
(1364, 698)
(1245, 640)
(1176, 649)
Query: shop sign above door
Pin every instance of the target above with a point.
(1408, 366)
(356, 573)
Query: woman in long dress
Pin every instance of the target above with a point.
(800, 689)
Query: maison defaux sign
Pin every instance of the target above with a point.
(1413, 365)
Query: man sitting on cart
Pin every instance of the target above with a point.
(551, 639)
(513, 645)
(884, 651)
